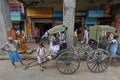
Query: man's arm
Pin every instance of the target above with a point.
(3, 48)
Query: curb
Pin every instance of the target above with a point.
(24, 57)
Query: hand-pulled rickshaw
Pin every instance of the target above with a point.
(68, 62)
(96, 53)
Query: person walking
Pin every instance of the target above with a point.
(45, 38)
(85, 36)
(54, 46)
(37, 35)
(11, 47)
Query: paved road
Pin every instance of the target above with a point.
(7, 72)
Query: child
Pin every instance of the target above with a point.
(41, 55)
(114, 46)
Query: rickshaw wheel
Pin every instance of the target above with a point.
(82, 51)
(70, 49)
(68, 63)
(98, 61)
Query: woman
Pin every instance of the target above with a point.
(54, 45)
(11, 47)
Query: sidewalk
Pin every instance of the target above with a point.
(4, 56)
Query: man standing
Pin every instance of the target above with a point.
(37, 35)
(85, 36)
(75, 37)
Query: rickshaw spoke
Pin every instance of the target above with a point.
(91, 60)
(70, 69)
(93, 66)
(101, 66)
(90, 65)
(74, 65)
(99, 70)
(65, 69)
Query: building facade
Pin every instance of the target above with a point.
(15, 8)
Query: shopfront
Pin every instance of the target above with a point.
(40, 18)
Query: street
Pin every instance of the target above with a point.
(7, 72)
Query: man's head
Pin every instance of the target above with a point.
(115, 36)
(10, 39)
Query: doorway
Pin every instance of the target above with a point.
(43, 27)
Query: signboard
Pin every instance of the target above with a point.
(15, 16)
(91, 21)
(95, 13)
(57, 15)
(60, 15)
(39, 12)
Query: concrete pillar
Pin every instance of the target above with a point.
(5, 21)
(69, 18)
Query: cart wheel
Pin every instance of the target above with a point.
(68, 63)
(82, 51)
(98, 61)
(70, 49)
(30, 64)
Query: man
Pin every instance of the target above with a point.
(45, 38)
(85, 37)
(11, 48)
(37, 35)
(75, 37)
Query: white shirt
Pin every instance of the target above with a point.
(75, 34)
(63, 37)
(18, 32)
(41, 51)
(11, 47)
(45, 35)
(85, 33)
(54, 48)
